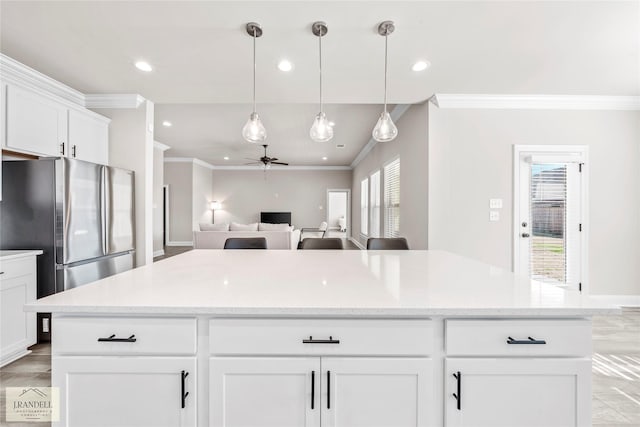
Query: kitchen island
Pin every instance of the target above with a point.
(321, 338)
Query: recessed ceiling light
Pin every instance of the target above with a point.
(332, 124)
(285, 65)
(421, 65)
(167, 123)
(324, 158)
(143, 66)
(226, 157)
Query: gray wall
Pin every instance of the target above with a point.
(179, 178)
(202, 195)
(131, 147)
(411, 146)
(244, 194)
(471, 155)
(158, 180)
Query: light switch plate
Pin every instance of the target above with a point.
(494, 216)
(495, 203)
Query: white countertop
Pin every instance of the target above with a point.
(321, 283)
(7, 255)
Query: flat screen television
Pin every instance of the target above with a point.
(275, 217)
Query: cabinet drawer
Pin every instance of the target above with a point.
(124, 336)
(320, 337)
(17, 267)
(518, 337)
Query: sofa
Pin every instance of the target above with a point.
(214, 238)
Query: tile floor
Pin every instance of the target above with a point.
(616, 371)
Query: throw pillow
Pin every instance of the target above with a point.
(214, 227)
(273, 227)
(243, 227)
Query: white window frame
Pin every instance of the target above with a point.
(366, 193)
(581, 150)
(382, 186)
(378, 232)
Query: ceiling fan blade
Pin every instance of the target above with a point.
(273, 159)
(280, 163)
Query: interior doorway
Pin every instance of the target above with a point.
(550, 191)
(339, 213)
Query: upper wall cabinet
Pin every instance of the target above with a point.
(39, 124)
(35, 124)
(88, 137)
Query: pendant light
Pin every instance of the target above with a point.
(321, 130)
(385, 129)
(254, 131)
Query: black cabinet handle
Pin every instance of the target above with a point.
(73, 151)
(183, 395)
(313, 388)
(113, 338)
(458, 394)
(527, 341)
(328, 389)
(62, 148)
(312, 341)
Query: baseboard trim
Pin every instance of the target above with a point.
(619, 300)
(358, 244)
(180, 243)
(158, 253)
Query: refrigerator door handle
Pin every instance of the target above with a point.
(104, 198)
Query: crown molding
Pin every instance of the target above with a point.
(160, 146)
(537, 102)
(15, 72)
(253, 168)
(116, 100)
(395, 114)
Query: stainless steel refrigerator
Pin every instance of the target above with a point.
(80, 214)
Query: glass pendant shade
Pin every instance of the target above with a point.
(254, 131)
(385, 129)
(321, 130)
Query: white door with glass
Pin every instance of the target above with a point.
(549, 218)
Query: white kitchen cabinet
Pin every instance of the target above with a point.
(526, 392)
(320, 391)
(42, 125)
(376, 392)
(88, 137)
(126, 391)
(17, 288)
(264, 391)
(35, 123)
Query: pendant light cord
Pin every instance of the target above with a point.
(254, 69)
(320, 44)
(385, 72)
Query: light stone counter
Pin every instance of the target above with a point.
(321, 283)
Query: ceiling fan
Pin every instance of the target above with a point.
(266, 161)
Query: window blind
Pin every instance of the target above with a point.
(364, 206)
(392, 199)
(374, 229)
(555, 223)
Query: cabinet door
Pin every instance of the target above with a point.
(88, 137)
(522, 392)
(261, 392)
(376, 392)
(17, 328)
(125, 391)
(35, 123)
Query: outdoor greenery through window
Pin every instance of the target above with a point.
(548, 222)
(392, 199)
(364, 206)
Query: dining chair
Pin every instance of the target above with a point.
(245, 243)
(318, 243)
(385, 244)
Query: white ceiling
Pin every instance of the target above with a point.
(211, 132)
(202, 55)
